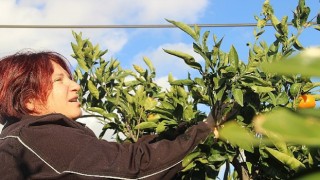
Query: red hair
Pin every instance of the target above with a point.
(25, 76)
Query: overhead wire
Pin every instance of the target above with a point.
(132, 26)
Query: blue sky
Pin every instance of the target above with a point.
(130, 45)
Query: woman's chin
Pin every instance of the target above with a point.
(76, 115)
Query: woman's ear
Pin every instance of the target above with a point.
(30, 105)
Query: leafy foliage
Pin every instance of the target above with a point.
(272, 79)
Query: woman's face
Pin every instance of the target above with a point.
(63, 98)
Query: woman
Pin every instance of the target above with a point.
(41, 140)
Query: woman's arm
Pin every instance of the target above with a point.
(70, 150)
(10, 167)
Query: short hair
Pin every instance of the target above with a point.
(26, 75)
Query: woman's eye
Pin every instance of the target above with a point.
(58, 79)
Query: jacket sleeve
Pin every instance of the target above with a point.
(70, 150)
(10, 165)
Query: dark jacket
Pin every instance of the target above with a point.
(54, 147)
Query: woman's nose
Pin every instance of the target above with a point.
(75, 86)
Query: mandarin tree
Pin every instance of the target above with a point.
(238, 92)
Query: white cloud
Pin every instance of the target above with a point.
(99, 11)
(63, 12)
(58, 40)
(11, 13)
(163, 83)
(182, 10)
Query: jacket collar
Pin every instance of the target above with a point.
(13, 127)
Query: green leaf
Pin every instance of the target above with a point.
(274, 47)
(150, 103)
(256, 80)
(188, 113)
(238, 96)
(170, 122)
(282, 98)
(204, 40)
(218, 44)
(111, 116)
(161, 127)
(153, 117)
(103, 53)
(146, 125)
(238, 136)
(273, 98)
(182, 82)
(96, 51)
(261, 89)
(275, 22)
(93, 89)
(317, 27)
(231, 70)
(261, 23)
(123, 106)
(75, 48)
(189, 158)
(308, 86)
(114, 64)
(140, 94)
(307, 64)
(139, 69)
(170, 78)
(221, 92)
(78, 74)
(311, 176)
(100, 71)
(78, 38)
(287, 160)
(233, 57)
(295, 89)
(189, 167)
(203, 54)
(82, 63)
(188, 59)
(184, 27)
(149, 64)
(295, 127)
(132, 83)
(98, 110)
(310, 113)
(181, 92)
(298, 45)
(279, 143)
(163, 112)
(167, 105)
